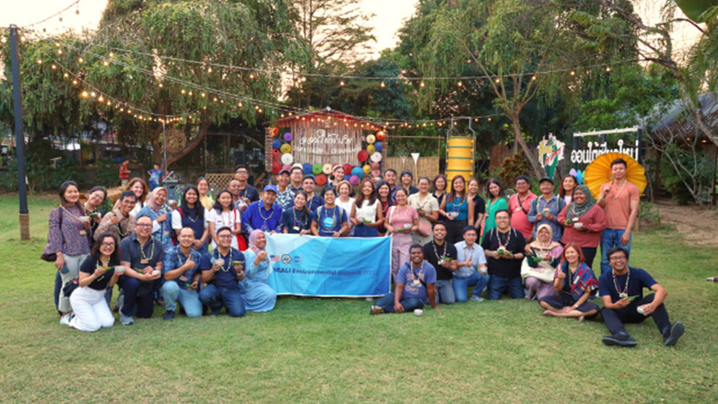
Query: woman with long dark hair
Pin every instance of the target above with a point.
(140, 188)
(297, 219)
(98, 273)
(367, 215)
(191, 214)
(457, 210)
(67, 239)
(495, 203)
(568, 184)
(224, 214)
(92, 206)
(383, 192)
(439, 188)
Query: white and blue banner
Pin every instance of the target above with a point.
(331, 267)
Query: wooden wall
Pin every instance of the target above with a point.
(425, 167)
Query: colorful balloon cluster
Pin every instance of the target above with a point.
(282, 151)
(578, 174)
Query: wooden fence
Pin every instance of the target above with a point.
(425, 167)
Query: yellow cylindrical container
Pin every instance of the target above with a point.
(459, 158)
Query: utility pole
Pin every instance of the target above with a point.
(19, 136)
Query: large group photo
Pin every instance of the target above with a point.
(428, 201)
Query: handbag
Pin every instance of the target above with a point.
(70, 287)
(542, 273)
(52, 256)
(424, 228)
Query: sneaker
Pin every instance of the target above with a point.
(619, 340)
(376, 310)
(477, 298)
(169, 315)
(65, 320)
(215, 312)
(126, 320)
(677, 329)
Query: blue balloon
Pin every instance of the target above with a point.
(579, 177)
(358, 171)
(276, 144)
(307, 168)
(378, 146)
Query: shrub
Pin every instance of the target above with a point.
(107, 173)
(512, 167)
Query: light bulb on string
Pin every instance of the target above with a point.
(421, 84)
(608, 69)
(383, 85)
(459, 84)
(341, 83)
(573, 73)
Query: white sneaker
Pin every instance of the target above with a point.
(477, 298)
(65, 320)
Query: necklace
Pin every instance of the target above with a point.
(227, 262)
(546, 204)
(621, 293)
(152, 251)
(271, 211)
(294, 216)
(70, 213)
(180, 259)
(498, 238)
(438, 257)
(620, 190)
(195, 215)
(119, 231)
(456, 208)
(406, 211)
(229, 218)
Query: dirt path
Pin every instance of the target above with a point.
(698, 226)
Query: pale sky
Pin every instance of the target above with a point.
(389, 16)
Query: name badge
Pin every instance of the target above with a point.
(145, 261)
(83, 233)
(416, 282)
(182, 278)
(296, 228)
(166, 233)
(517, 209)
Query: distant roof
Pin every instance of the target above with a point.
(328, 113)
(672, 120)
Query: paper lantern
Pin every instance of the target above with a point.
(288, 136)
(378, 146)
(366, 169)
(317, 169)
(286, 148)
(275, 131)
(357, 171)
(287, 159)
(307, 168)
(276, 144)
(375, 166)
(354, 180)
(375, 173)
(276, 166)
(370, 139)
(327, 169)
(380, 135)
(287, 167)
(347, 169)
(363, 155)
(370, 149)
(376, 157)
(276, 155)
(321, 179)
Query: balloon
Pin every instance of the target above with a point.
(276, 144)
(366, 169)
(321, 179)
(378, 146)
(287, 159)
(347, 169)
(357, 171)
(354, 180)
(363, 155)
(572, 172)
(288, 136)
(370, 149)
(286, 148)
(276, 167)
(317, 169)
(579, 177)
(307, 168)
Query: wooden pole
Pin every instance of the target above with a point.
(19, 136)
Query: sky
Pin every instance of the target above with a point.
(389, 16)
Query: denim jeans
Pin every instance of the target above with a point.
(58, 288)
(215, 297)
(409, 305)
(476, 279)
(142, 305)
(445, 291)
(189, 299)
(614, 318)
(611, 238)
(498, 284)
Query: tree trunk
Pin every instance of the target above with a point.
(192, 144)
(538, 171)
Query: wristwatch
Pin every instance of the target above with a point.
(575, 306)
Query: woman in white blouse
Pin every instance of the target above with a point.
(366, 213)
(223, 214)
(345, 201)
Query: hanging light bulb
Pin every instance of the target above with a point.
(341, 83)
(608, 69)
(459, 84)
(421, 84)
(573, 73)
(382, 84)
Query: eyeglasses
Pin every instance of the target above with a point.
(618, 258)
(143, 225)
(108, 244)
(225, 236)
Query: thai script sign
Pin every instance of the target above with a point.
(595, 149)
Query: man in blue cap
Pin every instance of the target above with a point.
(314, 201)
(264, 214)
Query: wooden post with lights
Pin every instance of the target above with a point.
(19, 136)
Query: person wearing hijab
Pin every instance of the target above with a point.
(161, 217)
(583, 222)
(549, 252)
(258, 296)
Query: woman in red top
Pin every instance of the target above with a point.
(583, 222)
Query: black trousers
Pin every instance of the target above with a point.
(589, 253)
(615, 319)
(455, 230)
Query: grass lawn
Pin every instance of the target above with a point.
(327, 351)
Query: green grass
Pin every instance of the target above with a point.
(327, 351)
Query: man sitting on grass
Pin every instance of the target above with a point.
(182, 274)
(622, 292)
(414, 286)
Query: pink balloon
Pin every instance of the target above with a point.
(354, 180)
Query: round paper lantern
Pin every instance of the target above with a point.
(327, 169)
(375, 166)
(370, 139)
(307, 168)
(347, 169)
(286, 148)
(380, 135)
(366, 169)
(275, 131)
(363, 155)
(370, 149)
(321, 179)
(276, 155)
(378, 146)
(357, 171)
(354, 180)
(317, 169)
(288, 136)
(276, 167)
(376, 157)
(287, 167)
(276, 144)
(375, 173)
(287, 159)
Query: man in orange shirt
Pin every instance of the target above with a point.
(124, 173)
(619, 200)
(520, 205)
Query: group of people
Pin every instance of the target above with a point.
(210, 253)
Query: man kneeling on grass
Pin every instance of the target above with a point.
(414, 286)
(221, 270)
(622, 292)
(182, 274)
